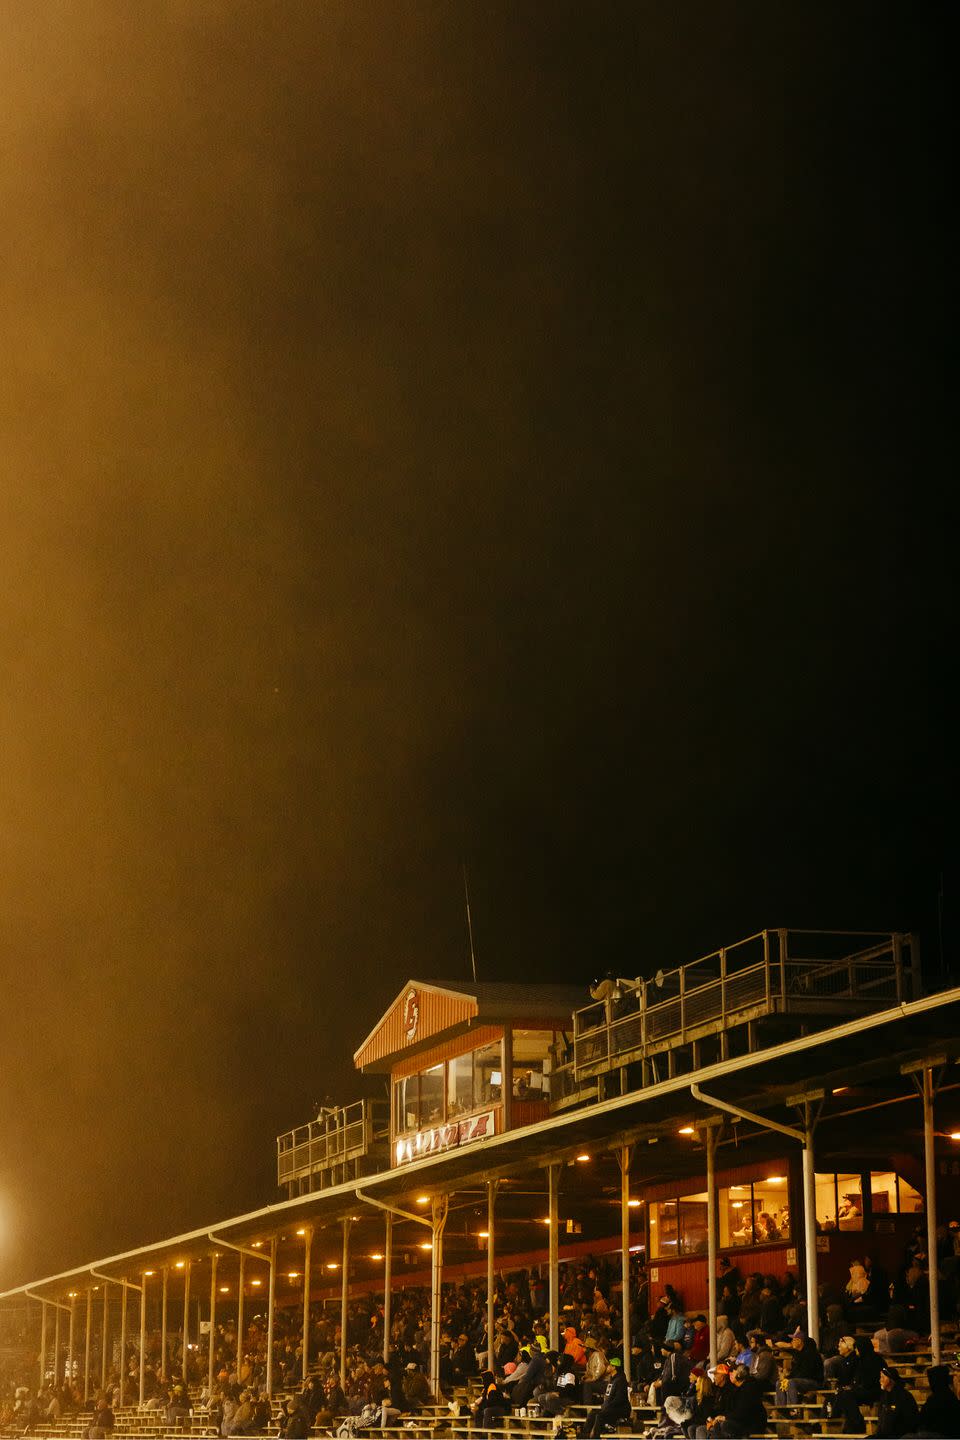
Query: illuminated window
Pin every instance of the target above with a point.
(431, 1097)
(487, 1076)
(663, 1229)
(839, 1202)
(755, 1212)
(693, 1224)
(460, 1085)
(532, 1064)
(890, 1194)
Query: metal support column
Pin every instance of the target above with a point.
(344, 1288)
(712, 1136)
(491, 1262)
(387, 1282)
(186, 1321)
(810, 1229)
(86, 1346)
(930, 1173)
(70, 1335)
(211, 1346)
(56, 1349)
(103, 1337)
(305, 1342)
(624, 1161)
(123, 1340)
(163, 1324)
(43, 1343)
(553, 1180)
(439, 1218)
(240, 1316)
(143, 1338)
(271, 1303)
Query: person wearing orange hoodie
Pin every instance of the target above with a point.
(574, 1346)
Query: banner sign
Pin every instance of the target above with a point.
(444, 1137)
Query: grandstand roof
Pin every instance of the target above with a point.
(870, 1047)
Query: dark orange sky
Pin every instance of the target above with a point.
(510, 433)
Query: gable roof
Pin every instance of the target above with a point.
(449, 1007)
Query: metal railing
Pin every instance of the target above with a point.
(763, 974)
(336, 1137)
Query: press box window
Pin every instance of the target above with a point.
(890, 1194)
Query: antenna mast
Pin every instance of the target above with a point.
(466, 896)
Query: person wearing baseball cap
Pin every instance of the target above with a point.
(897, 1411)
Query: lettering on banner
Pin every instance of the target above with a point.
(444, 1137)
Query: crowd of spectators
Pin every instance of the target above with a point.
(764, 1357)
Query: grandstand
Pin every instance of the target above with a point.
(785, 1106)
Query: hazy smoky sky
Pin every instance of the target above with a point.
(512, 433)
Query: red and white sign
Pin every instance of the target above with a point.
(411, 1015)
(444, 1137)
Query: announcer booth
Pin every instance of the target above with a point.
(467, 1061)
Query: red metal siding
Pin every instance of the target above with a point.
(439, 1010)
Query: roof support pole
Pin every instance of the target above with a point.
(163, 1322)
(928, 1090)
(553, 1225)
(271, 1306)
(305, 1339)
(123, 1340)
(240, 1317)
(211, 1339)
(56, 1349)
(344, 1289)
(70, 1335)
(186, 1321)
(387, 1282)
(86, 1346)
(439, 1209)
(103, 1336)
(491, 1262)
(810, 1228)
(712, 1138)
(43, 1342)
(623, 1159)
(143, 1338)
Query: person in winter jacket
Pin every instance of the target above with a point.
(897, 1412)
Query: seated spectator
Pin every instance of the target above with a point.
(895, 1338)
(615, 1406)
(763, 1362)
(745, 1413)
(940, 1412)
(699, 1350)
(574, 1347)
(897, 1413)
(295, 1424)
(674, 1377)
(103, 1421)
(492, 1403)
(416, 1389)
(594, 1372)
(726, 1340)
(806, 1371)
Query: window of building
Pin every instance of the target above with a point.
(693, 1224)
(890, 1194)
(532, 1064)
(459, 1085)
(487, 1075)
(431, 1096)
(662, 1220)
(756, 1212)
(408, 1104)
(839, 1202)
